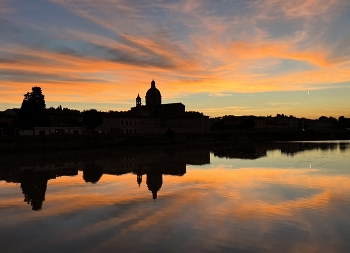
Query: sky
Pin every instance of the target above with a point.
(219, 57)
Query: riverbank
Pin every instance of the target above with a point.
(63, 142)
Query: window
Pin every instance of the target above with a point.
(42, 132)
(121, 122)
(75, 132)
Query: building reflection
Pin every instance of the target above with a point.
(33, 179)
(154, 183)
(243, 151)
(153, 165)
(148, 166)
(139, 179)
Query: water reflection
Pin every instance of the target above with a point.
(34, 177)
(253, 198)
(153, 165)
(34, 188)
(259, 150)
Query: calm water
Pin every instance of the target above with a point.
(276, 197)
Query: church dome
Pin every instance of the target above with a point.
(153, 92)
(153, 96)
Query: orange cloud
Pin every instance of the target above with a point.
(219, 53)
(301, 8)
(255, 51)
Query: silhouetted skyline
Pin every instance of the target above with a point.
(257, 57)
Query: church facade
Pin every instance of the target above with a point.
(155, 117)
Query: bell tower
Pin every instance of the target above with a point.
(138, 100)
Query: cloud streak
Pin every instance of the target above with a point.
(187, 46)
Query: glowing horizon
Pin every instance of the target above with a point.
(258, 57)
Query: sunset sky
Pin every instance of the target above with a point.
(220, 57)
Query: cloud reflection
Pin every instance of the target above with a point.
(210, 208)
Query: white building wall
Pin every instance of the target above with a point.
(52, 130)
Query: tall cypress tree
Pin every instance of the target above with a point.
(33, 110)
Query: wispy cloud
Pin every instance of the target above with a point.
(4, 7)
(188, 46)
(230, 110)
(280, 103)
(300, 8)
(220, 94)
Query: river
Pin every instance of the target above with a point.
(247, 197)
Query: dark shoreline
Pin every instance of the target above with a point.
(62, 160)
(71, 142)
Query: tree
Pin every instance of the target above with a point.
(33, 110)
(342, 122)
(281, 115)
(92, 119)
(92, 173)
(333, 120)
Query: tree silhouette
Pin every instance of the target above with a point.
(92, 173)
(92, 119)
(33, 110)
(34, 188)
(343, 122)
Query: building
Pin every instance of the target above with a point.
(154, 117)
(7, 121)
(53, 131)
